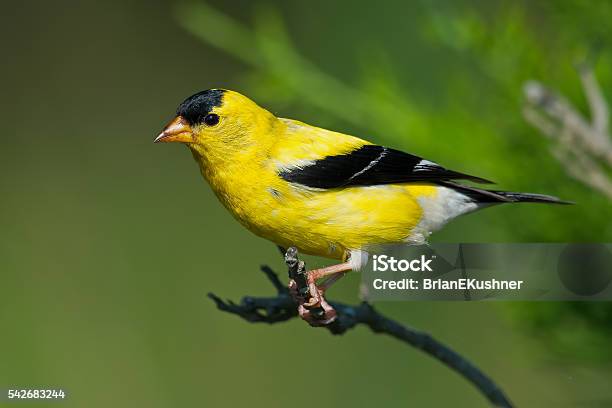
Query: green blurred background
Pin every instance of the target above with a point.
(109, 244)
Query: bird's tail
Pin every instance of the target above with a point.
(481, 196)
(531, 198)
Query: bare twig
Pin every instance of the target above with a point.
(282, 307)
(597, 102)
(583, 147)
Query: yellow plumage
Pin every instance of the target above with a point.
(323, 192)
(241, 163)
(243, 150)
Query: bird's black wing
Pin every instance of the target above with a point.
(371, 165)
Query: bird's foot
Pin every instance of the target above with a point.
(315, 310)
(309, 296)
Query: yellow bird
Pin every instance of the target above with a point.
(323, 192)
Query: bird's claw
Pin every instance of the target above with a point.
(316, 296)
(321, 316)
(316, 311)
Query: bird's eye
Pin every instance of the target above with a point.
(211, 119)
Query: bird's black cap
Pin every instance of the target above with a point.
(197, 106)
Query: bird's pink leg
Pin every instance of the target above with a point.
(316, 293)
(331, 280)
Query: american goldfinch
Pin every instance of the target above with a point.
(323, 192)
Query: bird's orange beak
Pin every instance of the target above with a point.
(176, 131)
